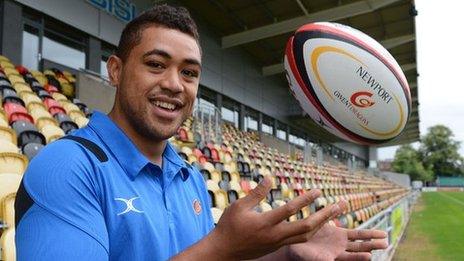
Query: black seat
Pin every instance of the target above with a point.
(224, 184)
(32, 149)
(27, 133)
(10, 95)
(65, 122)
(206, 174)
(232, 195)
(53, 81)
(43, 94)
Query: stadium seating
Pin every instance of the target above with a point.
(38, 108)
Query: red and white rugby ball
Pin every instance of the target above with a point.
(347, 82)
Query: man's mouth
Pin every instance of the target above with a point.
(164, 105)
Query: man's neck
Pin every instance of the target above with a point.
(152, 149)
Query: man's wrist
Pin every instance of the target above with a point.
(210, 247)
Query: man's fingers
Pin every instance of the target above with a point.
(292, 207)
(346, 256)
(365, 234)
(257, 194)
(295, 239)
(366, 246)
(314, 222)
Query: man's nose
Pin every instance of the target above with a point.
(172, 81)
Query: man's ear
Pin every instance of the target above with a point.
(114, 67)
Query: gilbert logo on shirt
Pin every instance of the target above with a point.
(197, 206)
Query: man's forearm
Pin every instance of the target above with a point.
(205, 249)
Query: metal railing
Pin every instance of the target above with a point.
(393, 220)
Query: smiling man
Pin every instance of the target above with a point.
(117, 190)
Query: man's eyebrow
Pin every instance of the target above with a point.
(192, 61)
(165, 54)
(157, 52)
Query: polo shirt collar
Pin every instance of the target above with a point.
(127, 154)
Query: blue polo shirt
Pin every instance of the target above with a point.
(126, 208)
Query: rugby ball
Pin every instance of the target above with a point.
(347, 83)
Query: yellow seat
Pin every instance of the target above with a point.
(8, 212)
(22, 87)
(8, 134)
(15, 78)
(62, 80)
(29, 97)
(9, 183)
(81, 121)
(41, 79)
(6, 64)
(35, 106)
(217, 213)
(51, 132)
(42, 117)
(265, 206)
(71, 108)
(49, 72)
(11, 161)
(3, 122)
(9, 71)
(7, 242)
(59, 97)
(67, 89)
(4, 59)
(220, 196)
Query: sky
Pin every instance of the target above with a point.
(440, 63)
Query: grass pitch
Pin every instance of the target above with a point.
(436, 229)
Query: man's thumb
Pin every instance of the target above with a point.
(257, 194)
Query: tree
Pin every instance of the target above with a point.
(439, 152)
(407, 160)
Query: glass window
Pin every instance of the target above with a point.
(266, 128)
(229, 115)
(63, 51)
(103, 70)
(30, 52)
(281, 134)
(251, 123)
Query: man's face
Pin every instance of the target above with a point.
(158, 82)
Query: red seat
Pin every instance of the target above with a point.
(50, 88)
(197, 152)
(22, 70)
(53, 106)
(215, 155)
(245, 184)
(16, 112)
(183, 135)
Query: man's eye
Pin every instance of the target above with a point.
(190, 73)
(155, 65)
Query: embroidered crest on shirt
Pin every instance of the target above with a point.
(197, 206)
(129, 205)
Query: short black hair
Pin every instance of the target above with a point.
(171, 17)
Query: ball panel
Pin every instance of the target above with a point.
(299, 74)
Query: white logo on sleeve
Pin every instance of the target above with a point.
(129, 205)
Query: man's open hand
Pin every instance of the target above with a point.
(335, 243)
(243, 233)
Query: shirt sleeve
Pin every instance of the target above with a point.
(65, 219)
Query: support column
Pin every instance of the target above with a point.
(241, 117)
(274, 128)
(94, 55)
(372, 157)
(11, 31)
(219, 101)
(260, 122)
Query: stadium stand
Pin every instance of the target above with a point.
(38, 108)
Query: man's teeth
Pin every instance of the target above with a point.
(165, 105)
